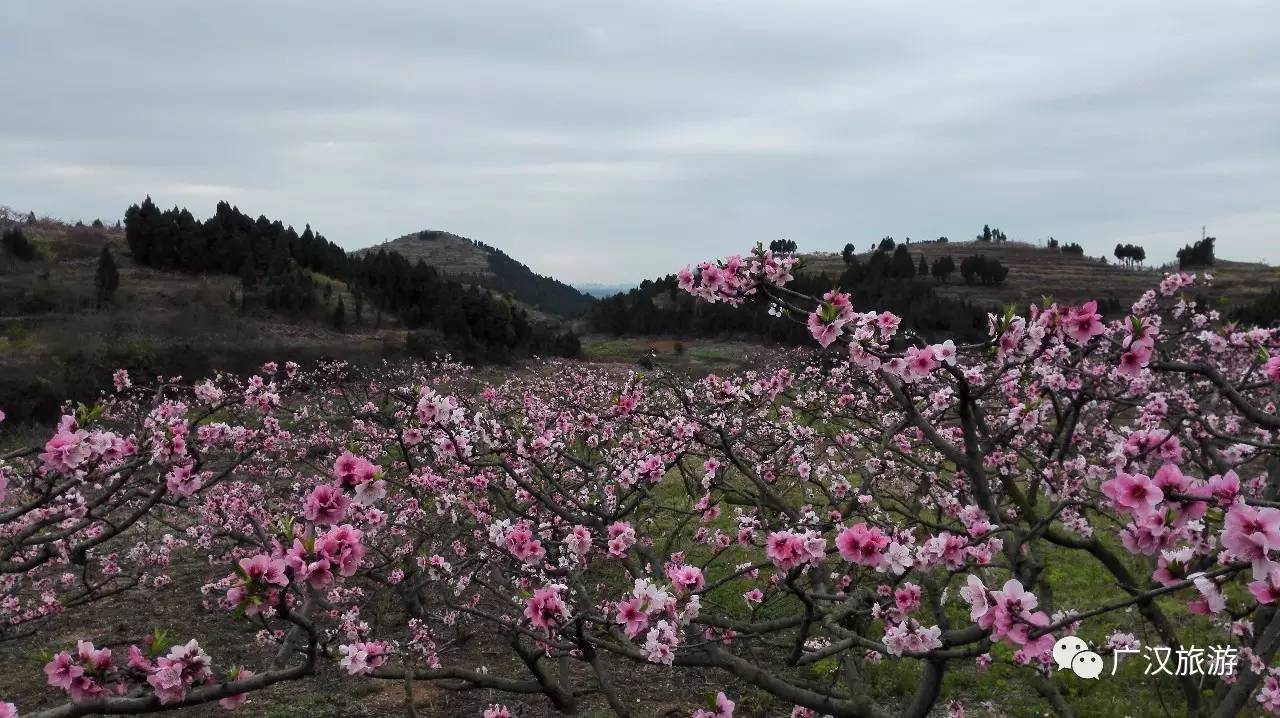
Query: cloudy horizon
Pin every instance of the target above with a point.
(613, 142)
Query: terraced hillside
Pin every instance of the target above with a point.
(454, 256)
(1036, 271)
(57, 341)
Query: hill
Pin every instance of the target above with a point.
(1036, 271)
(473, 262)
(182, 308)
(603, 291)
(57, 341)
(934, 308)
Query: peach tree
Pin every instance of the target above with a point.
(880, 499)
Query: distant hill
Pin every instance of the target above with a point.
(1037, 271)
(57, 341)
(473, 262)
(931, 307)
(601, 291)
(181, 309)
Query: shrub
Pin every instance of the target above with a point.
(106, 278)
(987, 270)
(16, 243)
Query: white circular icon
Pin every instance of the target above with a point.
(1066, 649)
(1087, 664)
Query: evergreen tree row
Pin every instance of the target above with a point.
(1199, 254)
(992, 234)
(546, 293)
(899, 265)
(783, 246)
(1130, 254)
(229, 242)
(482, 325)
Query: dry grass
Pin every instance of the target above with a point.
(56, 341)
(454, 256)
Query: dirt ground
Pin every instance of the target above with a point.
(122, 620)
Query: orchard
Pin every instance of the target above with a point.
(879, 508)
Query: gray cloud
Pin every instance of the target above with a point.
(614, 141)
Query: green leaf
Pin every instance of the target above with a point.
(828, 312)
(159, 642)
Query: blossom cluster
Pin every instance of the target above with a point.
(751, 525)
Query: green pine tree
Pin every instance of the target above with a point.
(107, 278)
(340, 315)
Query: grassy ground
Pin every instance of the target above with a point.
(653, 690)
(696, 356)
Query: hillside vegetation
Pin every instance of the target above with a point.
(976, 278)
(231, 291)
(1037, 271)
(473, 262)
(227, 293)
(57, 340)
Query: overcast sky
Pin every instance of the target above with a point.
(608, 141)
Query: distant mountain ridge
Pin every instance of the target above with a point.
(474, 262)
(603, 291)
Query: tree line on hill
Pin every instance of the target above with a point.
(658, 307)
(229, 242)
(990, 234)
(284, 270)
(1130, 254)
(888, 280)
(484, 326)
(515, 278)
(893, 261)
(1199, 254)
(891, 279)
(1070, 248)
(783, 246)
